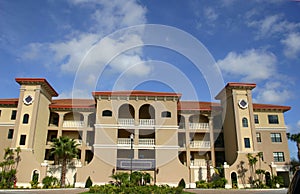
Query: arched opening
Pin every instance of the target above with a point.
(73, 119)
(181, 122)
(107, 113)
(147, 115)
(91, 119)
(35, 179)
(233, 177)
(126, 111)
(25, 118)
(147, 112)
(245, 122)
(166, 114)
(54, 119)
(268, 179)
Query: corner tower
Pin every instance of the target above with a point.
(238, 121)
(33, 115)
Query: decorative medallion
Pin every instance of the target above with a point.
(243, 104)
(28, 100)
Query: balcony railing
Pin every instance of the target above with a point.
(147, 122)
(124, 141)
(199, 162)
(147, 141)
(203, 126)
(200, 144)
(126, 122)
(73, 124)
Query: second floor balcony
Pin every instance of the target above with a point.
(73, 124)
(200, 144)
(143, 142)
(199, 126)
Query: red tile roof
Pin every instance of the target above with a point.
(9, 101)
(134, 93)
(195, 105)
(72, 103)
(270, 107)
(239, 84)
(41, 81)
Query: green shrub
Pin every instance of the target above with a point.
(88, 182)
(217, 183)
(49, 182)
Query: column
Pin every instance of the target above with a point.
(212, 141)
(60, 124)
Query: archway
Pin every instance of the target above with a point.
(233, 177)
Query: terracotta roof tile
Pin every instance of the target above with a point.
(41, 81)
(72, 103)
(134, 93)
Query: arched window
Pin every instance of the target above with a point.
(166, 114)
(25, 118)
(234, 182)
(245, 122)
(107, 113)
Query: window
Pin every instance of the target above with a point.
(166, 114)
(10, 134)
(247, 142)
(278, 156)
(13, 115)
(22, 139)
(256, 121)
(273, 119)
(245, 122)
(276, 137)
(25, 118)
(107, 113)
(0, 112)
(258, 137)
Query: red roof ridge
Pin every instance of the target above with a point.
(41, 81)
(135, 93)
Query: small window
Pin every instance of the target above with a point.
(13, 115)
(258, 137)
(107, 113)
(273, 119)
(247, 142)
(10, 134)
(166, 114)
(276, 137)
(278, 156)
(245, 122)
(256, 121)
(0, 112)
(25, 118)
(22, 139)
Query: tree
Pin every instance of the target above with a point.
(252, 163)
(9, 167)
(296, 138)
(64, 149)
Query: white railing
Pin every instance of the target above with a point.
(146, 141)
(126, 122)
(199, 126)
(200, 144)
(198, 162)
(124, 141)
(73, 124)
(147, 122)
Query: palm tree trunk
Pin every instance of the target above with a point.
(63, 173)
(298, 146)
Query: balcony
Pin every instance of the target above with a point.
(147, 122)
(126, 122)
(200, 162)
(200, 144)
(73, 124)
(124, 141)
(147, 142)
(202, 126)
(135, 164)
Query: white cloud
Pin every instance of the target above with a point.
(274, 92)
(251, 65)
(272, 25)
(210, 14)
(292, 45)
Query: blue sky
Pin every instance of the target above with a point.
(250, 41)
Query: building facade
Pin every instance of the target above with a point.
(154, 132)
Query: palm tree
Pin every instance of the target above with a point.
(64, 149)
(296, 138)
(252, 163)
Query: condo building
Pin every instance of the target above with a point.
(156, 132)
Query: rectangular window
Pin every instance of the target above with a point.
(278, 156)
(258, 137)
(273, 119)
(10, 134)
(256, 121)
(0, 112)
(13, 115)
(276, 137)
(247, 142)
(22, 139)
